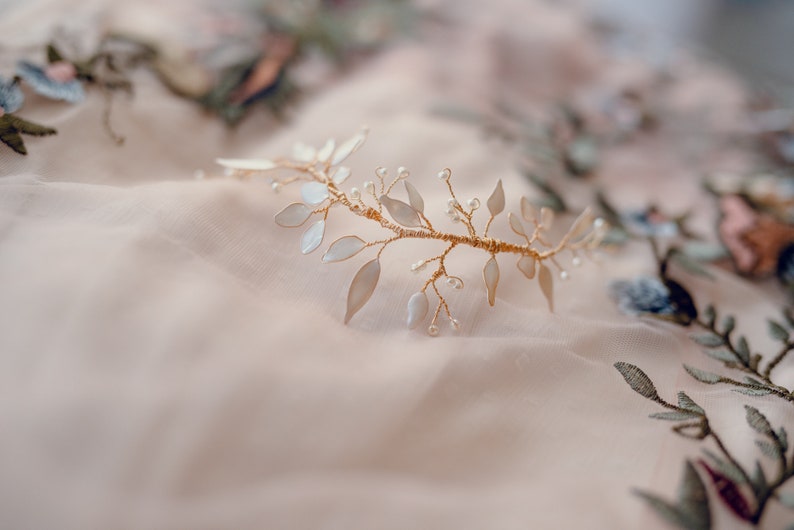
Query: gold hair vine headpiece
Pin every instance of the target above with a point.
(322, 175)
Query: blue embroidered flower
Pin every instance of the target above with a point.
(11, 97)
(651, 296)
(57, 81)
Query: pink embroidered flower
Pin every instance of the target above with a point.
(61, 71)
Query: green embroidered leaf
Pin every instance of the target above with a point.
(638, 380)
(782, 436)
(758, 422)
(755, 392)
(710, 314)
(758, 480)
(53, 54)
(777, 331)
(13, 140)
(709, 340)
(722, 355)
(788, 314)
(693, 499)
(786, 498)
(728, 324)
(702, 376)
(673, 416)
(768, 449)
(686, 402)
(669, 512)
(743, 349)
(750, 380)
(754, 361)
(30, 128)
(726, 467)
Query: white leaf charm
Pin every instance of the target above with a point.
(528, 211)
(401, 212)
(247, 164)
(416, 200)
(546, 285)
(527, 265)
(546, 217)
(293, 215)
(314, 192)
(343, 248)
(348, 147)
(325, 151)
(361, 287)
(583, 223)
(490, 274)
(340, 175)
(417, 309)
(515, 224)
(312, 237)
(496, 202)
(303, 153)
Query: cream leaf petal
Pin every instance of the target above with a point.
(496, 202)
(515, 224)
(312, 237)
(293, 215)
(348, 147)
(303, 153)
(546, 217)
(528, 211)
(583, 223)
(340, 175)
(417, 309)
(362, 287)
(545, 279)
(314, 192)
(414, 198)
(324, 153)
(344, 248)
(527, 266)
(401, 212)
(490, 274)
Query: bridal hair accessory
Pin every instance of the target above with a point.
(322, 175)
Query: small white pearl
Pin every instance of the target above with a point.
(474, 203)
(432, 330)
(452, 203)
(402, 173)
(444, 174)
(564, 275)
(455, 324)
(276, 186)
(576, 261)
(381, 172)
(355, 193)
(599, 222)
(369, 186)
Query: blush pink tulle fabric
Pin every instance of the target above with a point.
(169, 360)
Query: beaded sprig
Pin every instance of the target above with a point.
(322, 175)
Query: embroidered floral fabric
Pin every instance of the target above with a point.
(173, 358)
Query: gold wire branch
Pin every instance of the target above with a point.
(322, 174)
